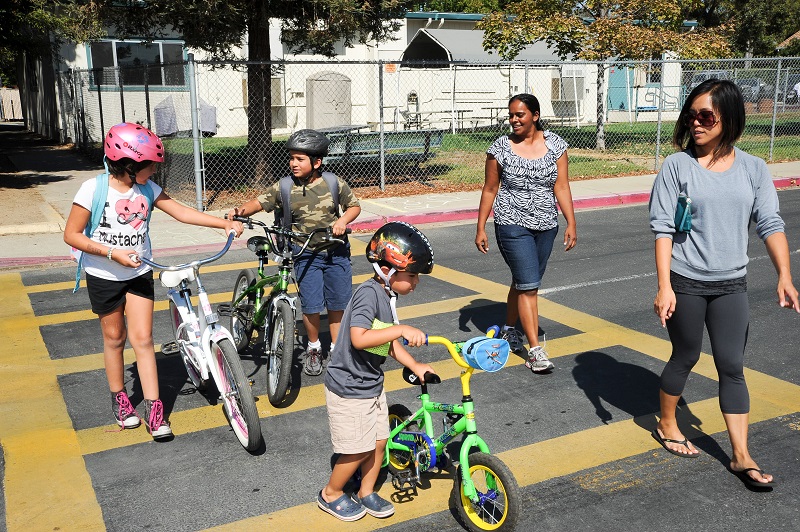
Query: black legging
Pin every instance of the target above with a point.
(727, 318)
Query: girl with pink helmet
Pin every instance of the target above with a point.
(109, 224)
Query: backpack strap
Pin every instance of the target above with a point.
(98, 207)
(333, 185)
(286, 191)
(286, 202)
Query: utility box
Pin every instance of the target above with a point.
(328, 100)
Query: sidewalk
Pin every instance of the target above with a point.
(38, 181)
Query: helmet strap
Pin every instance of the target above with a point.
(392, 294)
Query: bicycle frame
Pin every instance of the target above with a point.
(279, 281)
(466, 424)
(203, 327)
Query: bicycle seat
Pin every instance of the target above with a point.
(411, 378)
(171, 279)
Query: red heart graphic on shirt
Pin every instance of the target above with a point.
(133, 212)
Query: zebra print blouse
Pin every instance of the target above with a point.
(526, 194)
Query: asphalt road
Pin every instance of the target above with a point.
(577, 440)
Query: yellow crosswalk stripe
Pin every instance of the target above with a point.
(42, 454)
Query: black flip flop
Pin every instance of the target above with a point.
(750, 481)
(664, 441)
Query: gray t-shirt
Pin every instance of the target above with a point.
(355, 373)
(723, 206)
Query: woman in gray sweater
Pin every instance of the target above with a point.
(702, 271)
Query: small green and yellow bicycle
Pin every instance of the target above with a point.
(485, 492)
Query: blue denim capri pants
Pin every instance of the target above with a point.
(325, 279)
(526, 252)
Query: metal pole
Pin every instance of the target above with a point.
(100, 103)
(83, 116)
(775, 109)
(122, 95)
(198, 160)
(381, 125)
(147, 96)
(660, 105)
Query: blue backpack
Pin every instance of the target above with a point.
(98, 206)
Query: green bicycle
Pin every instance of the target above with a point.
(485, 492)
(262, 302)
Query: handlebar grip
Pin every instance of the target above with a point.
(405, 342)
(432, 378)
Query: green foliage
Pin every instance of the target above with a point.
(308, 25)
(37, 27)
(596, 30)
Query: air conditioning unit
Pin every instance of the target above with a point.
(567, 88)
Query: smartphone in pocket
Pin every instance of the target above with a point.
(683, 214)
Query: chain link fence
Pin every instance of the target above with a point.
(404, 128)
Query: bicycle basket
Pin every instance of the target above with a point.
(488, 354)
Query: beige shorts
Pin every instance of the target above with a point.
(356, 424)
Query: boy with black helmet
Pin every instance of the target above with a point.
(356, 403)
(324, 276)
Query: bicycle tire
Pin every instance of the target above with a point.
(499, 506)
(176, 320)
(281, 352)
(237, 397)
(241, 323)
(400, 460)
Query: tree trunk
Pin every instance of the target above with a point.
(259, 94)
(601, 100)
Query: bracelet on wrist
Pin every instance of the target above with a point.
(110, 252)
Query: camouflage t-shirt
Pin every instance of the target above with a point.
(312, 205)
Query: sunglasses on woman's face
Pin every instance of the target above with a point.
(705, 118)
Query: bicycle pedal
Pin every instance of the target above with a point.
(404, 480)
(170, 348)
(224, 309)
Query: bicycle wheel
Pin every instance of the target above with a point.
(237, 398)
(241, 325)
(400, 460)
(498, 493)
(281, 352)
(177, 321)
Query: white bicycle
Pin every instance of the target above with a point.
(207, 348)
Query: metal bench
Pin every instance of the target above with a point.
(398, 146)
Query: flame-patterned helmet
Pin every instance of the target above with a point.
(133, 141)
(402, 246)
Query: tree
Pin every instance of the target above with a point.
(38, 27)
(600, 31)
(216, 25)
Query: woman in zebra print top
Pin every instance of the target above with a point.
(526, 172)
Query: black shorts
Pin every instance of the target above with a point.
(107, 295)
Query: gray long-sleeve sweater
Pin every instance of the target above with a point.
(723, 205)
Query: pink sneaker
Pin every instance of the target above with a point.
(124, 413)
(157, 424)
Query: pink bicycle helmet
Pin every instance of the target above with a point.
(135, 142)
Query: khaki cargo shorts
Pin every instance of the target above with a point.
(356, 424)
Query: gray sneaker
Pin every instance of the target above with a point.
(313, 363)
(538, 361)
(514, 339)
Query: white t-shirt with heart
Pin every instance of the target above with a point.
(124, 225)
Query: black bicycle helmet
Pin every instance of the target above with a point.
(308, 141)
(403, 247)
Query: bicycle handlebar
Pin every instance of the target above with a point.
(451, 348)
(195, 263)
(293, 235)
